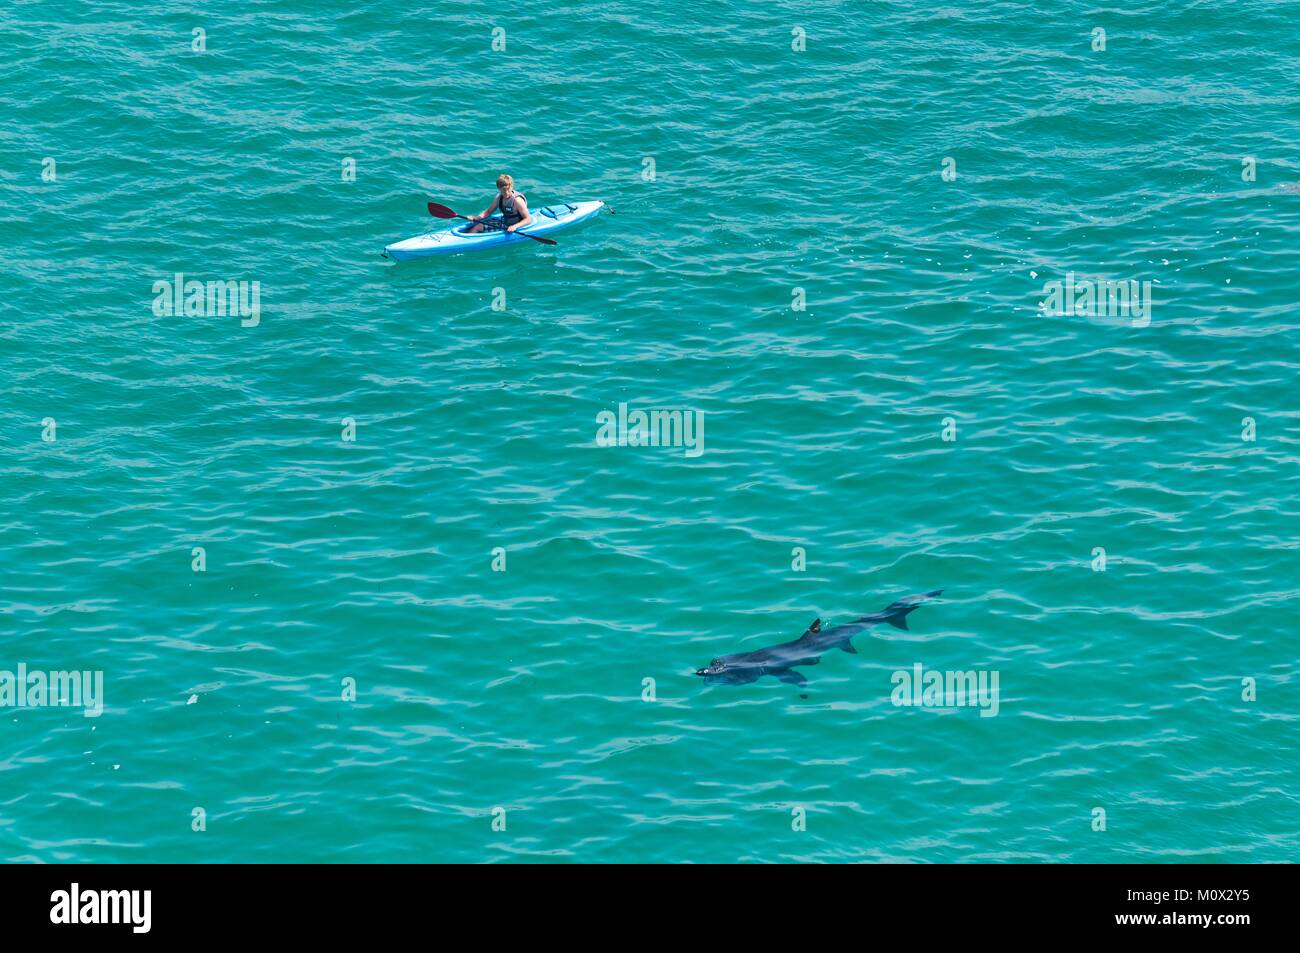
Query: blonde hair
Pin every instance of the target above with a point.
(505, 180)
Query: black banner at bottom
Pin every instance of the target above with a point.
(338, 903)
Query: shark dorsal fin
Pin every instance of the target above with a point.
(816, 625)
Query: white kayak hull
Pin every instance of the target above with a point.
(457, 239)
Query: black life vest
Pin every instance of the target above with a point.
(509, 211)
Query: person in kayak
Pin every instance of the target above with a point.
(513, 207)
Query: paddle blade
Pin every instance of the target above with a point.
(441, 211)
(541, 238)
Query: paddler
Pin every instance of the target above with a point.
(513, 207)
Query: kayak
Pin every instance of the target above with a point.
(451, 241)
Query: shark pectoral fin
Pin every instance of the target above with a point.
(898, 621)
(791, 676)
(848, 647)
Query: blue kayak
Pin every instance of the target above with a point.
(458, 238)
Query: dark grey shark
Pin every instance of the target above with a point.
(779, 661)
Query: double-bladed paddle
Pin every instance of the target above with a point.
(441, 211)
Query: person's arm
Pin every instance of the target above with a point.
(521, 206)
(490, 209)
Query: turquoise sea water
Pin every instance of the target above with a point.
(774, 169)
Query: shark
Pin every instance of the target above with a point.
(780, 661)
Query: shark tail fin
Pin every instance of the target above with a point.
(896, 613)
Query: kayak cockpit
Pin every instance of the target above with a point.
(463, 231)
